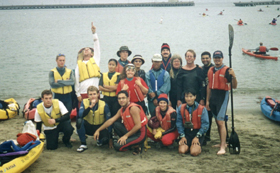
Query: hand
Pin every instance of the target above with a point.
(55, 81)
(138, 82)
(154, 132)
(93, 28)
(80, 99)
(207, 106)
(122, 140)
(179, 103)
(231, 72)
(202, 102)
(93, 102)
(51, 121)
(104, 86)
(155, 102)
(183, 141)
(152, 95)
(158, 135)
(195, 141)
(125, 87)
(96, 135)
(111, 143)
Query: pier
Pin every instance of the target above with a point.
(252, 3)
(151, 4)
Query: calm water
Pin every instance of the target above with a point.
(30, 40)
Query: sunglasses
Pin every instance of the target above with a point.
(130, 68)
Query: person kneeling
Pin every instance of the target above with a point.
(192, 123)
(92, 114)
(55, 118)
(132, 129)
(162, 124)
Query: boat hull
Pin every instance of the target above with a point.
(266, 109)
(246, 51)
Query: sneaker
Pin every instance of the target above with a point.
(99, 144)
(82, 148)
(68, 145)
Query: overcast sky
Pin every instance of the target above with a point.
(29, 2)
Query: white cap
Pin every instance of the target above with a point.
(157, 57)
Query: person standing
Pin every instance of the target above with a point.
(93, 113)
(132, 130)
(123, 53)
(206, 61)
(220, 77)
(166, 57)
(55, 118)
(176, 65)
(190, 76)
(138, 61)
(158, 81)
(108, 85)
(192, 123)
(61, 80)
(87, 71)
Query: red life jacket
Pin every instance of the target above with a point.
(262, 49)
(128, 120)
(196, 115)
(119, 67)
(217, 80)
(140, 96)
(166, 121)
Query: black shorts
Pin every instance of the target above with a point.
(192, 134)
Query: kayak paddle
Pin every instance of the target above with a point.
(234, 144)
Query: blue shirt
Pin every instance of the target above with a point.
(204, 120)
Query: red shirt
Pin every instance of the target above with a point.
(131, 92)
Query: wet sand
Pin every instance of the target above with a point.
(260, 152)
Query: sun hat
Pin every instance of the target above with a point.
(137, 57)
(123, 48)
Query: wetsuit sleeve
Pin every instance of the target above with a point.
(228, 76)
(204, 122)
(63, 118)
(69, 82)
(39, 126)
(165, 88)
(173, 123)
(101, 80)
(86, 111)
(52, 82)
(179, 122)
(108, 116)
(201, 79)
(179, 85)
(65, 115)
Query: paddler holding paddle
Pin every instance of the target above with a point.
(218, 88)
(261, 49)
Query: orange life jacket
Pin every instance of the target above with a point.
(217, 80)
(196, 115)
(262, 49)
(128, 120)
(166, 121)
(119, 67)
(137, 90)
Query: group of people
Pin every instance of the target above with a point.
(181, 100)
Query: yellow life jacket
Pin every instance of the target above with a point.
(112, 82)
(54, 114)
(88, 70)
(98, 117)
(66, 76)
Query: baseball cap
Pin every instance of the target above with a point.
(156, 57)
(218, 54)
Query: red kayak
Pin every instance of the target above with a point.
(263, 56)
(240, 24)
(272, 23)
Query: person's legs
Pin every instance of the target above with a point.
(82, 133)
(169, 138)
(67, 130)
(52, 139)
(223, 135)
(208, 133)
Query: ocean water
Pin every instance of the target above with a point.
(31, 39)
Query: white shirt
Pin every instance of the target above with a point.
(48, 111)
(81, 87)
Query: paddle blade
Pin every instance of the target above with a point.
(234, 144)
(231, 36)
(273, 48)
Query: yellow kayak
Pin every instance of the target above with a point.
(12, 109)
(21, 163)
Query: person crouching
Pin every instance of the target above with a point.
(192, 123)
(92, 114)
(162, 124)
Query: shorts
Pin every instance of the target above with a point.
(218, 106)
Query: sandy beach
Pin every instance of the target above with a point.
(258, 136)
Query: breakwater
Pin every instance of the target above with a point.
(54, 6)
(251, 3)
